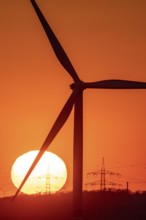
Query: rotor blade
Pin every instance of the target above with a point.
(64, 114)
(59, 51)
(116, 84)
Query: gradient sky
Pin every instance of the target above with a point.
(104, 40)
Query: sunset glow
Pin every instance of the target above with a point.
(49, 175)
(103, 40)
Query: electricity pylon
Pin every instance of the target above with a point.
(103, 182)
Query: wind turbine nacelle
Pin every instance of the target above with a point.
(79, 85)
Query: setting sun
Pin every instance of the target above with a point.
(49, 175)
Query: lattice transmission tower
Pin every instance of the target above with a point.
(102, 182)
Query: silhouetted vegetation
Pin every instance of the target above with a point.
(108, 205)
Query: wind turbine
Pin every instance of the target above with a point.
(76, 100)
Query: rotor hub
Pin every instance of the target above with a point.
(80, 85)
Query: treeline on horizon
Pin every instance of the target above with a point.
(100, 205)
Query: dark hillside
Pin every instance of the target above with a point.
(119, 205)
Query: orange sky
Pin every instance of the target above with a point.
(103, 39)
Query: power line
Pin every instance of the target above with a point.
(102, 182)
